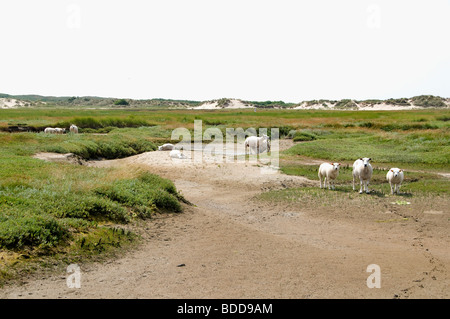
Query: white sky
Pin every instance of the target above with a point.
(288, 50)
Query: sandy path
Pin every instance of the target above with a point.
(235, 247)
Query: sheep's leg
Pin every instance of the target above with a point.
(398, 188)
(392, 188)
(320, 179)
(361, 186)
(367, 187)
(332, 185)
(353, 181)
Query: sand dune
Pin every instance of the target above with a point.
(223, 104)
(7, 103)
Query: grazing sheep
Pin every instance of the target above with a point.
(328, 172)
(73, 129)
(166, 147)
(59, 130)
(257, 144)
(49, 130)
(362, 170)
(177, 154)
(395, 178)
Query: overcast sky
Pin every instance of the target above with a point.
(288, 50)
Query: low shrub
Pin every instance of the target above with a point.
(443, 118)
(428, 101)
(400, 101)
(121, 102)
(103, 122)
(18, 231)
(118, 144)
(304, 136)
(148, 190)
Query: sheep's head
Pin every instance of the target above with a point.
(396, 171)
(336, 166)
(366, 161)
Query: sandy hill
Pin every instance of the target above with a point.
(223, 104)
(417, 102)
(7, 103)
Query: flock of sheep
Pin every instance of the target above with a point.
(328, 172)
(57, 130)
(362, 170)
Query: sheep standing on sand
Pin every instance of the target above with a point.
(395, 178)
(362, 170)
(328, 172)
(257, 144)
(73, 129)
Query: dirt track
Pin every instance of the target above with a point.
(233, 246)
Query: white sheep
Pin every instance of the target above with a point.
(395, 178)
(59, 130)
(257, 144)
(166, 147)
(362, 170)
(49, 130)
(177, 154)
(73, 129)
(328, 172)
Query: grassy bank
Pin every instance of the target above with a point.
(62, 209)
